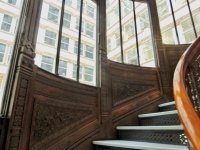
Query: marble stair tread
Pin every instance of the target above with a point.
(158, 114)
(167, 104)
(139, 145)
(172, 127)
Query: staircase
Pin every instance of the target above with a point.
(157, 131)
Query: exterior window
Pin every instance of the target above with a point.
(78, 6)
(117, 38)
(16, 24)
(144, 20)
(126, 7)
(129, 30)
(116, 14)
(76, 48)
(180, 2)
(47, 63)
(2, 51)
(53, 14)
(131, 57)
(88, 74)
(89, 51)
(66, 20)
(90, 30)
(162, 8)
(90, 11)
(147, 50)
(68, 2)
(108, 21)
(50, 38)
(118, 59)
(167, 37)
(77, 25)
(107, 3)
(62, 70)
(6, 24)
(9, 54)
(13, 2)
(75, 70)
(65, 43)
(108, 44)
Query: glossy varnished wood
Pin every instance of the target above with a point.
(187, 114)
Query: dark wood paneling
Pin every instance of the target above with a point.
(64, 111)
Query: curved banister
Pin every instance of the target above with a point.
(187, 114)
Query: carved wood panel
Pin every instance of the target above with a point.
(60, 106)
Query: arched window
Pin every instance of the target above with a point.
(129, 37)
(66, 43)
(179, 20)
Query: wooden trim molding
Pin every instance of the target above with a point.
(187, 114)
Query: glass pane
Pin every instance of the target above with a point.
(113, 31)
(88, 40)
(6, 23)
(166, 22)
(195, 9)
(47, 38)
(146, 51)
(10, 12)
(183, 21)
(128, 30)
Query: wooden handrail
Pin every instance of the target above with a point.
(187, 114)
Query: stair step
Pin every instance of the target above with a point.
(173, 127)
(123, 145)
(159, 118)
(167, 106)
(160, 134)
(158, 114)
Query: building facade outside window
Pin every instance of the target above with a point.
(89, 74)
(90, 11)
(47, 63)
(2, 51)
(53, 14)
(13, 2)
(147, 50)
(76, 48)
(129, 30)
(66, 20)
(163, 9)
(168, 37)
(90, 30)
(62, 70)
(75, 70)
(131, 56)
(6, 23)
(50, 38)
(77, 25)
(89, 53)
(65, 43)
(68, 2)
(144, 20)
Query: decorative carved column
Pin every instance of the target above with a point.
(160, 52)
(105, 104)
(23, 75)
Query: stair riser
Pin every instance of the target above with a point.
(171, 119)
(167, 108)
(155, 136)
(98, 147)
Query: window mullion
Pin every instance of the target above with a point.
(136, 35)
(59, 37)
(120, 26)
(195, 32)
(79, 42)
(174, 20)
